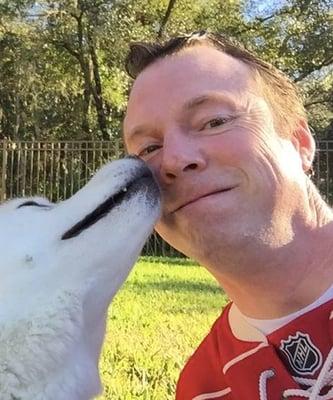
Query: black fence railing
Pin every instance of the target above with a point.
(323, 169)
(56, 170)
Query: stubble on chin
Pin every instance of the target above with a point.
(226, 245)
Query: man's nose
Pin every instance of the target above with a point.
(180, 155)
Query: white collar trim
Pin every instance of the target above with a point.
(250, 329)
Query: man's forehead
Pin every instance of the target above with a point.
(175, 79)
(197, 62)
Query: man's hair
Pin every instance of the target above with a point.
(279, 91)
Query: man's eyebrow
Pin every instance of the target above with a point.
(207, 98)
(137, 131)
(189, 105)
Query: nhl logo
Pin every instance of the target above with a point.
(303, 356)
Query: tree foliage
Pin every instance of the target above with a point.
(61, 64)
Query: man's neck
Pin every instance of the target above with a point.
(278, 282)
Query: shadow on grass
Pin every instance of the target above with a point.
(170, 260)
(175, 286)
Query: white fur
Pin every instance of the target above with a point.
(54, 293)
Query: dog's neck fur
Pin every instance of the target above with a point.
(57, 358)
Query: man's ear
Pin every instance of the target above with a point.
(304, 143)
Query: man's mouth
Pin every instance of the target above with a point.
(183, 205)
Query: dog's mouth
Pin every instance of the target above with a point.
(101, 211)
(143, 181)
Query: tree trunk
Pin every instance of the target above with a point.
(166, 17)
(97, 92)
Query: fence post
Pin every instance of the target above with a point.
(3, 171)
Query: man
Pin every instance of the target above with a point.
(227, 137)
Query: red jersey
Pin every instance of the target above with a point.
(238, 362)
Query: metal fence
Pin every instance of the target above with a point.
(56, 170)
(52, 169)
(323, 169)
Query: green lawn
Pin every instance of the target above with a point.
(155, 322)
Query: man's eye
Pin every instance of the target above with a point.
(148, 150)
(215, 122)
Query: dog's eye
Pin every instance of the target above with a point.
(32, 203)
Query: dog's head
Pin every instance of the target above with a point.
(90, 240)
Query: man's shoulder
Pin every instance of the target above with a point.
(203, 367)
(233, 349)
(203, 373)
(211, 351)
(211, 343)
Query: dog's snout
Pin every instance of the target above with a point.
(133, 156)
(146, 173)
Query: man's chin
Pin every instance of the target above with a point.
(174, 236)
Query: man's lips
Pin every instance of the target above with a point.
(199, 197)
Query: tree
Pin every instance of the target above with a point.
(61, 65)
(298, 39)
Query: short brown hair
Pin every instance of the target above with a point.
(280, 92)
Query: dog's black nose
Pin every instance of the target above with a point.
(135, 157)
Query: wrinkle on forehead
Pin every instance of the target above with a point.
(228, 101)
(166, 84)
(193, 63)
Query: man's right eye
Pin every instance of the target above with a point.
(148, 150)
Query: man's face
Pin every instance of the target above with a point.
(199, 120)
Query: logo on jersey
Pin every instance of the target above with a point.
(303, 356)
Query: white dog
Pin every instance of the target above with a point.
(60, 266)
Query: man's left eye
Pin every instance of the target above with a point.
(215, 122)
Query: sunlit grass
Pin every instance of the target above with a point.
(155, 322)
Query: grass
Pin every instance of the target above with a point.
(156, 321)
